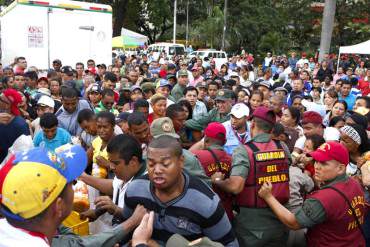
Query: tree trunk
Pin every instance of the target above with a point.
(119, 11)
(327, 27)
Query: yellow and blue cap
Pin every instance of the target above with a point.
(37, 178)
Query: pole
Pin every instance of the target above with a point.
(187, 22)
(174, 21)
(327, 27)
(224, 30)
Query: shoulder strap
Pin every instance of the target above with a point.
(351, 208)
(278, 144)
(214, 156)
(252, 146)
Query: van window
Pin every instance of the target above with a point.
(223, 55)
(178, 50)
(201, 54)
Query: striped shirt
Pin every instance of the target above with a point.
(196, 213)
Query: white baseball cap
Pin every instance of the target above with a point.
(240, 110)
(46, 101)
(312, 106)
(331, 134)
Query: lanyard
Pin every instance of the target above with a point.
(36, 234)
(241, 140)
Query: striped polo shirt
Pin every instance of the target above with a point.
(196, 213)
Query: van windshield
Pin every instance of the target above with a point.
(178, 50)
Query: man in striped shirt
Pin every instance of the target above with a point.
(182, 204)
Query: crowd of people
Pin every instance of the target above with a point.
(178, 152)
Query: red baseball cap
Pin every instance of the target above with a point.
(216, 131)
(13, 98)
(331, 151)
(265, 114)
(311, 117)
(91, 70)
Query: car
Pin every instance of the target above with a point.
(169, 48)
(220, 57)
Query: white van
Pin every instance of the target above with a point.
(169, 48)
(45, 30)
(220, 57)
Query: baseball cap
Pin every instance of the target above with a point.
(177, 240)
(44, 91)
(46, 101)
(201, 84)
(240, 110)
(147, 86)
(281, 89)
(171, 66)
(126, 86)
(134, 87)
(224, 94)
(171, 76)
(331, 134)
(265, 114)
(331, 150)
(67, 70)
(312, 106)
(101, 66)
(311, 117)
(164, 83)
(234, 74)
(91, 70)
(57, 61)
(95, 88)
(182, 72)
(13, 98)
(163, 126)
(264, 83)
(216, 131)
(37, 179)
(123, 116)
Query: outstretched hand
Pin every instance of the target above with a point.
(265, 190)
(144, 231)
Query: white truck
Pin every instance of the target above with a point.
(45, 30)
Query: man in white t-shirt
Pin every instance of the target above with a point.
(125, 156)
(37, 194)
(312, 125)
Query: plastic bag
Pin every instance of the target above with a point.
(81, 197)
(98, 171)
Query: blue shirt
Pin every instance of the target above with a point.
(350, 100)
(61, 137)
(232, 140)
(10, 132)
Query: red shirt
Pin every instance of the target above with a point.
(364, 86)
(150, 118)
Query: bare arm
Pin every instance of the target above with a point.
(284, 215)
(90, 153)
(365, 170)
(102, 184)
(233, 184)
(197, 146)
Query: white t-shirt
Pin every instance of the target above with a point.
(11, 236)
(301, 140)
(119, 189)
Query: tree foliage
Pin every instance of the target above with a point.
(258, 26)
